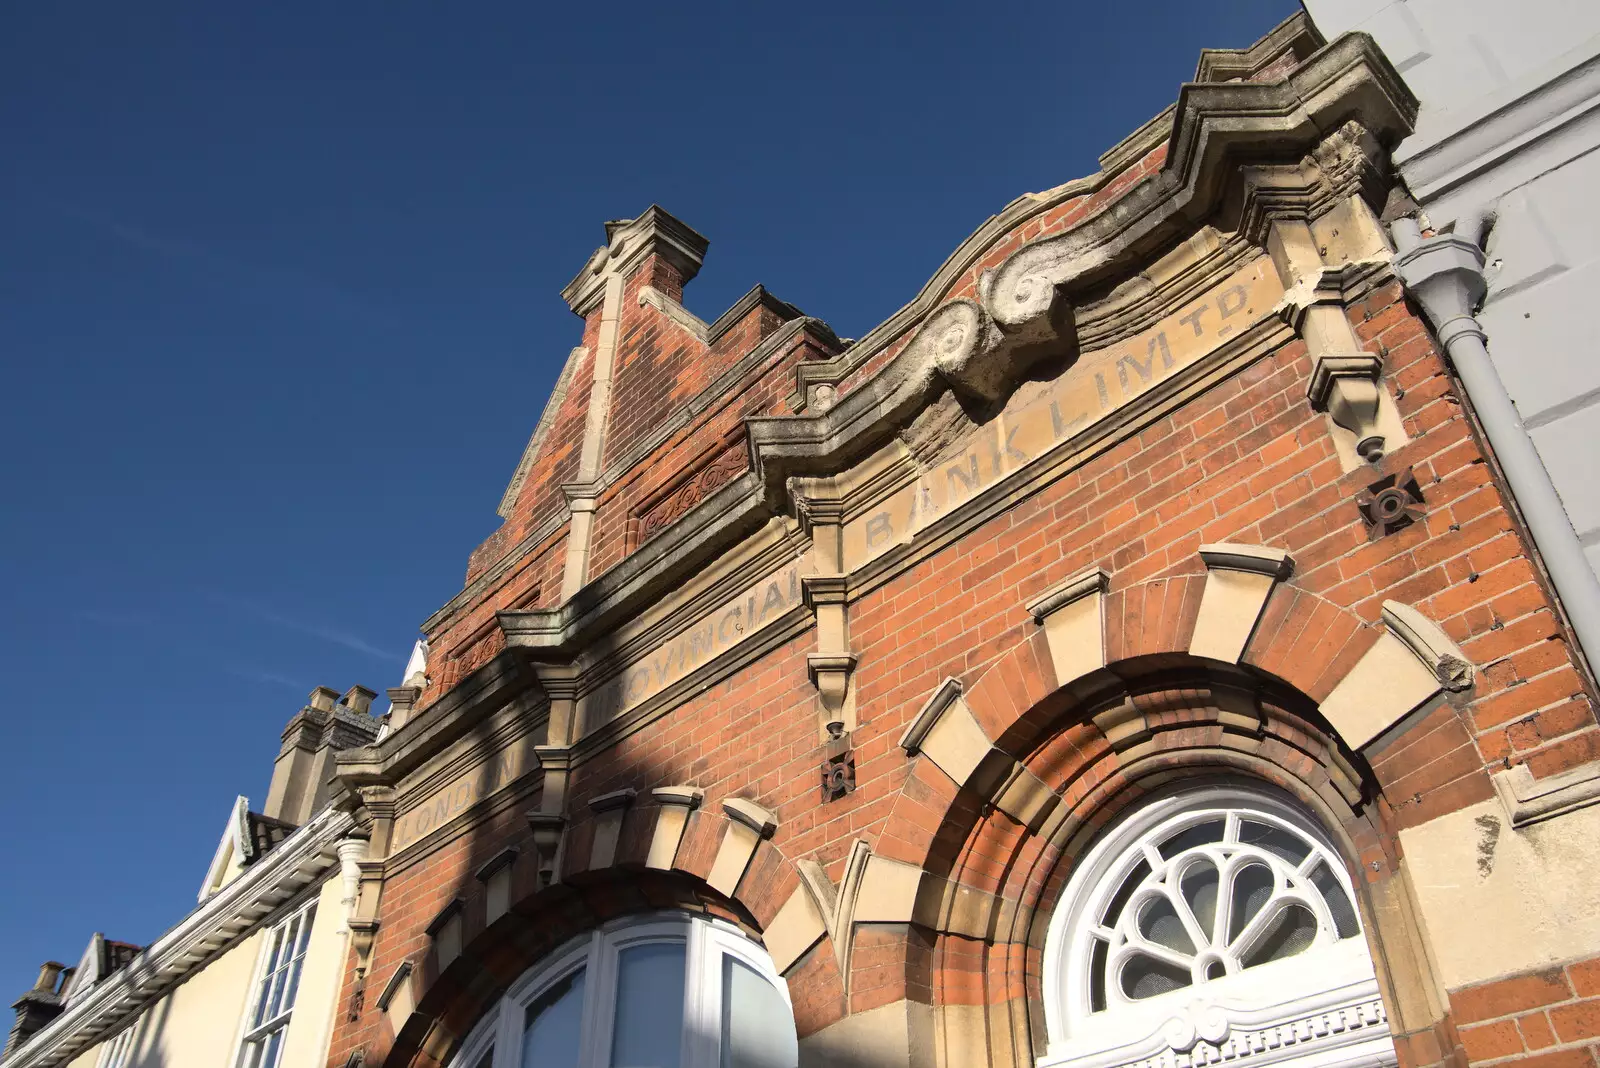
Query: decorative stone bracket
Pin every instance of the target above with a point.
(827, 594)
(1346, 387)
(1345, 379)
(366, 862)
(549, 821)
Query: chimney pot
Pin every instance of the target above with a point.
(49, 972)
(359, 699)
(322, 698)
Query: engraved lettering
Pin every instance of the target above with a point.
(772, 602)
(1145, 371)
(1233, 300)
(1016, 454)
(1057, 424)
(1193, 318)
(730, 617)
(968, 478)
(880, 528)
(1160, 342)
(1100, 388)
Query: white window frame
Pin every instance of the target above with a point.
(706, 941)
(117, 1052)
(1331, 978)
(300, 920)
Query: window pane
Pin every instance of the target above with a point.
(757, 1027)
(1276, 839)
(269, 1059)
(262, 997)
(554, 1024)
(649, 1023)
(1344, 913)
(1207, 833)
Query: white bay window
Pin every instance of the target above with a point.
(668, 991)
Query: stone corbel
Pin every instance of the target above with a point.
(1346, 387)
(832, 665)
(1346, 380)
(827, 594)
(377, 807)
(352, 849)
(549, 821)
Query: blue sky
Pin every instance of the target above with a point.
(279, 308)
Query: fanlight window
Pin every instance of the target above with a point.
(669, 992)
(1209, 894)
(1218, 904)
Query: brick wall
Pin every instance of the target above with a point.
(1546, 1019)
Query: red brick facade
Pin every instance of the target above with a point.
(1237, 456)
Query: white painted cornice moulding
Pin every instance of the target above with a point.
(301, 859)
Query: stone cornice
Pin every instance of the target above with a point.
(1213, 124)
(981, 351)
(758, 295)
(718, 390)
(223, 920)
(628, 243)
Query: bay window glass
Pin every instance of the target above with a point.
(666, 991)
(554, 1023)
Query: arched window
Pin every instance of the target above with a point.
(666, 991)
(1218, 916)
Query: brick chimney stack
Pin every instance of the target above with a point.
(39, 1005)
(304, 768)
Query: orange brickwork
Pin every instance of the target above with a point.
(1243, 460)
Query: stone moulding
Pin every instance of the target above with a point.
(1257, 559)
(1529, 800)
(1216, 128)
(916, 732)
(392, 987)
(1429, 644)
(978, 350)
(1079, 586)
(1035, 283)
(752, 815)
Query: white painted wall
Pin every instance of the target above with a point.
(1510, 122)
(198, 1024)
(311, 1026)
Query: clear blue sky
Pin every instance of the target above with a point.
(279, 308)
